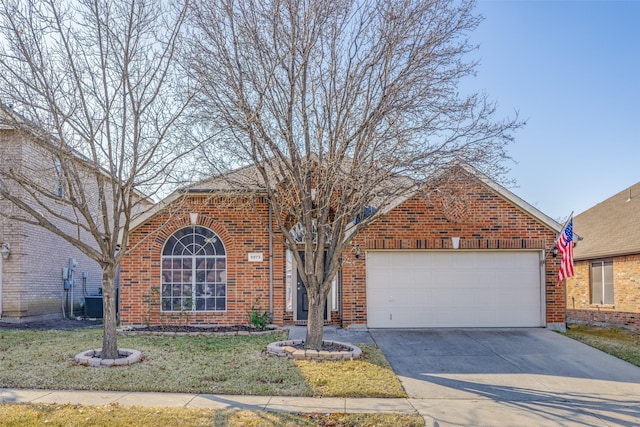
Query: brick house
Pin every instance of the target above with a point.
(31, 282)
(471, 255)
(606, 286)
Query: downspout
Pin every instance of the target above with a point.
(270, 263)
(340, 307)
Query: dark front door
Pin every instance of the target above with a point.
(302, 299)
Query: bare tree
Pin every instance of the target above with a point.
(96, 86)
(343, 107)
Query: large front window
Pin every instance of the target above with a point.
(194, 271)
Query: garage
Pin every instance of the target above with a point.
(431, 289)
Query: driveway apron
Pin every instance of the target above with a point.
(510, 377)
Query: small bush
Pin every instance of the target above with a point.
(258, 318)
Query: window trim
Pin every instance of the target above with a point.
(602, 263)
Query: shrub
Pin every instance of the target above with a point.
(258, 318)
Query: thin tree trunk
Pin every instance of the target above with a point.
(315, 322)
(109, 338)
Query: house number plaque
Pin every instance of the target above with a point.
(255, 257)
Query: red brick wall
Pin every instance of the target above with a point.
(625, 310)
(239, 227)
(481, 218)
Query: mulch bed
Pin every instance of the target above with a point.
(326, 346)
(198, 328)
(72, 324)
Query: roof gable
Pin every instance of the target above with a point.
(610, 227)
(505, 194)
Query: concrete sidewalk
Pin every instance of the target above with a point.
(211, 401)
(436, 411)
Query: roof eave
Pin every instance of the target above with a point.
(607, 254)
(164, 203)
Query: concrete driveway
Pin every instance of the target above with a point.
(510, 377)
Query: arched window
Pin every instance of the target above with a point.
(194, 271)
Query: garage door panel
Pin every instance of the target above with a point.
(453, 289)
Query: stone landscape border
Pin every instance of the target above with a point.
(92, 358)
(287, 349)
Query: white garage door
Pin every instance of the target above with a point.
(454, 289)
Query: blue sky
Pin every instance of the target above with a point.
(572, 70)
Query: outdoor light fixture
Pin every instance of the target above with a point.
(455, 242)
(5, 251)
(555, 251)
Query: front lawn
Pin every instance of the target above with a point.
(621, 343)
(191, 364)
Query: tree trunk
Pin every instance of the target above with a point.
(315, 321)
(109, 338)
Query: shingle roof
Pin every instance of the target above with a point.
(248, 179)
(611, 227)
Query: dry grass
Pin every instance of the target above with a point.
(215, 365)
(19, 415)
(621, 343)
(369, 376)
(218, 365)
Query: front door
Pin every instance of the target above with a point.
(302, 299)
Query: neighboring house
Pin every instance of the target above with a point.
(606, 285)
(31, 275)
(455, 256)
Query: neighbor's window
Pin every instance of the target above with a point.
(194, 271)
(59, 182)
(602, 282)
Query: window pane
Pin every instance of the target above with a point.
(607, 277)
(221, 290)
(288, 279)
(596, 283)
(334, 293)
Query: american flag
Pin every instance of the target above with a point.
(565, 247)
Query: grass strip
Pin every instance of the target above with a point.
(621, 343)
(114, 415)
